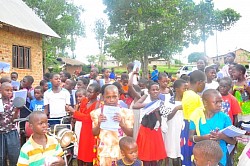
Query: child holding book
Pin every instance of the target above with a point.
(206, 123)
(151, 148)
(108, 149)
(9, 137)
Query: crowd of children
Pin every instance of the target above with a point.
(128, 121)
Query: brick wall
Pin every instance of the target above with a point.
(13, 36)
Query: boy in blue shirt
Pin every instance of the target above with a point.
(37, 103)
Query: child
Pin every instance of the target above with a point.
(143, 85)
(229, 60)
(55, 100)
(130, 67)
(108, 149)
(187, 79)
(230, 105)
(150, 142)
(37, 104)
(87, 140)
(124, 82)
(107, 79)
(82, 83)
(26, 84)
(9, 137)
(175, 122)
(190, 101)
(47, 77)
(77, 125)
(241, 90)
(93, 75)
(210, 74)
(40, 146)
(206, 123)
(154, 74)
(14, 76)
(165, 92)
(112, 74)
(44, 85)
(70, 85)
(201, 64)
(129, 150)
(207, 153)
(163, 82)
(64, 76)
(5, 79)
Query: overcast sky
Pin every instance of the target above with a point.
(237, 37)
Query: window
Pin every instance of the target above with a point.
(21, 57)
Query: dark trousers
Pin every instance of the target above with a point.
(9, 148)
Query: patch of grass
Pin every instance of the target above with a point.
(240, 147)
(172, 69)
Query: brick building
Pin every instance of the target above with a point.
(242, 56)
(21, 32)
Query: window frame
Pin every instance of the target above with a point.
(21, 57)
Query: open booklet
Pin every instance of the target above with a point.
(246, 126)
(110, 112)
(151, 107)
(232, 131)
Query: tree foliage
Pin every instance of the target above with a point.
(64, 18)
(195, 56)
(92, 59)
(100, 32)
(142, 28)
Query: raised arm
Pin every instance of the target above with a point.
(139, 104)
(132, 90)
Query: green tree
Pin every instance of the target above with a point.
(100, 32)
(210, 20)
(64, 18)
(156, 28)
(92, 59)
(195, 56)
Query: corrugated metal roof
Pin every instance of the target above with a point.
(16, 13)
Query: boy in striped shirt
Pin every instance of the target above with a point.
(40, 147)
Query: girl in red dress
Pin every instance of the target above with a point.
(87, 141)
(151, 149)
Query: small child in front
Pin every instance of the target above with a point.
(40, 147)
(129, 150)
(207, 153)
(9, 138)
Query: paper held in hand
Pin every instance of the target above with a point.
(151, 107)
(137, 66)
(232, 131)
(110, 112)
(21, 93)
(246, 126)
